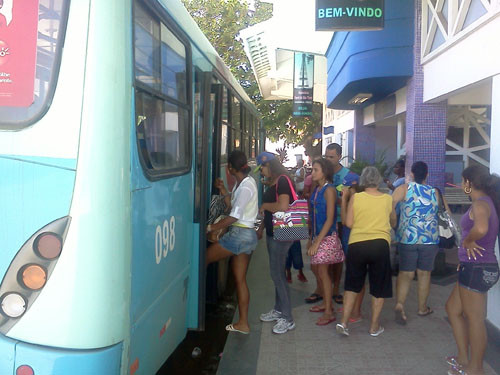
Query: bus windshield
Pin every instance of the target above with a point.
(31, 38)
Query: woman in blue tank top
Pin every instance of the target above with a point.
(324, 241)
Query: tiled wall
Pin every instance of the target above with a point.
(364, 139)
(425, 123)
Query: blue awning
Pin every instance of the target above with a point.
(377, 63)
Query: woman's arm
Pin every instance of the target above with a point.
(349, 221)
(346, 193)
(219, 184)
(481, 215)
(226, 222)
(397, 196)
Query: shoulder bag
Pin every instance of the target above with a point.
(293, 224)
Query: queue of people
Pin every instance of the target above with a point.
(351, 219)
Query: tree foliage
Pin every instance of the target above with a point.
(221, 21)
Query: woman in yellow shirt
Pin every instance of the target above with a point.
(368, 216)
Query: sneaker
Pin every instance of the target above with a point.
(283, 326)
(271, 316)
(342, 329)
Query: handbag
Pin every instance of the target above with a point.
(293, 224)
(449, 232)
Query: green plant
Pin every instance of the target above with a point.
(359, 164)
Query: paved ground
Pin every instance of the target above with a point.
(418, 348)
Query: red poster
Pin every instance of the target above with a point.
(18, 39)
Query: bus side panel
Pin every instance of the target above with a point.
(50, 361)
(160, 329)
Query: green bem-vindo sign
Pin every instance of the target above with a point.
(337, 15)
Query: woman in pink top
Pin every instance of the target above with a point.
(477, 272)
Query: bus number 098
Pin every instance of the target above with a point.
(164, 239)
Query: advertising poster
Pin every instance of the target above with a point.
(303, 84)
(18, 44)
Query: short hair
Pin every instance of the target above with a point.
(370, 177)
(419, 170)
(238, 161)
(326, 168)
(336, 147)
(400, 163)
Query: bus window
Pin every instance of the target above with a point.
(224, 127)
(236, 123)
(162, 110)
(173, 66)
(162, 133)
(147, 48)
(35, 29)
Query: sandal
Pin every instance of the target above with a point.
(429, 311)
(317, 309)
(323, 321)
(338, 299)
(313, 298)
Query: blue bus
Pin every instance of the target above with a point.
(113, 126)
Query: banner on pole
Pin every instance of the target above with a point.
(303, 84)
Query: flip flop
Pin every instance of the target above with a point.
(323, 322)
(317, 309)
(231, 328)
(338, 299)
(429, 311)
(355, 320)
(313, 298)
(399, 317)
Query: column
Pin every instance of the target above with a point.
(364, 139)
(493, 313)
(425, 123)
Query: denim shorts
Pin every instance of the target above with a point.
(412, 257)
(478, 277)
(239, 240)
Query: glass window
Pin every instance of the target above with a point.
(147, 49)
(162, 133)
(236, 114)
(162, 112)
(173, 66)
(29, 78)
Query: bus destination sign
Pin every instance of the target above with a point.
(349, 15)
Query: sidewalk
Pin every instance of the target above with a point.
(417, 348)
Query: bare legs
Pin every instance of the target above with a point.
(467, 310)
(402, 288)
(350, 300)
(424, 286)
(319, 287)
(239, 265)
(336, 275)
(326, 284)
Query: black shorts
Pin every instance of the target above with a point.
(373, 257)
(478, 277)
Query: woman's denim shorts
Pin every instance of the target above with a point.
(239, 240)
(478, 277)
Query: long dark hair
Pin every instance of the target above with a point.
(276, 168)
(482, 180)
(326, 168)
(238, 161)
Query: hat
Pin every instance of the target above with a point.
(350, 179)
(263, 158)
